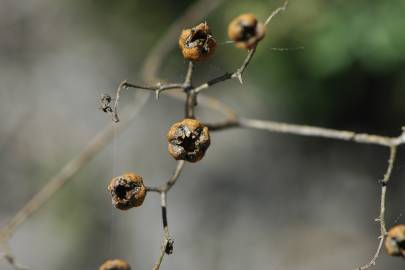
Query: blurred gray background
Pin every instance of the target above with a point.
(257, 200)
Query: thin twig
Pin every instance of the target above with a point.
(277, 11)
(381, 218)
(191, 96)
(191, 102)
(167, 243)
(189, 75)
(125, 85)
(312, 131)
(175, 176)
(239, 72)
(172, 180)
(235, 75)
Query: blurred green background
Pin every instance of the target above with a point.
(257, 200)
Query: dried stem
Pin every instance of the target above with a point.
(191, 102)
(167, 243)
(175, 176)
(235, 75)
(381, 218)
(172, 180)
(189, 75)
(191, 97)
(311, 131)
(125, 85)
(277, 11)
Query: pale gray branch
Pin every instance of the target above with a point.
(381, 218)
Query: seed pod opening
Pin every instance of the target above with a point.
(395, 241)
(246, 31)
(116, 264)
(197, 43)
(127, 191)
(188, 140)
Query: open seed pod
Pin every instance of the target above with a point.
(246, 31)
(197, 43)
(127, 191)
(188, 140)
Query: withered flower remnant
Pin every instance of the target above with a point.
(246, 31)
(188, 140)
(197, 43)
(127, 191)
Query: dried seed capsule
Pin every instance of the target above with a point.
(197, 43)
(188, 140)
(395, 241)
(127, 191)
(116, 264)
(246, 31)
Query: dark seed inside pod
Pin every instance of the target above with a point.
(198, 38)
(248, 31)
(124, 188)
(188, 140)
(127, 191)
(401, 244)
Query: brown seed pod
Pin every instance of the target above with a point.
(116, 264)
(188, 140)
(246, 31)
(197, 43)
(395, 241)
(127, 191)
